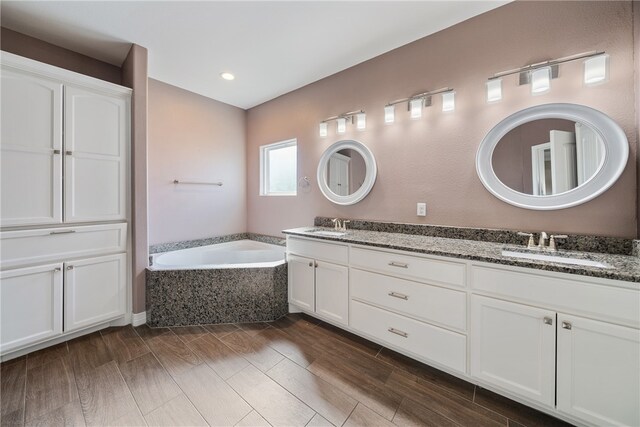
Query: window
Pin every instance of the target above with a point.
(279, 168)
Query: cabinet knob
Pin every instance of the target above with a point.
(68, 152)
(566, 325)
(57, 269)
(548, 321)
(310, 264)
(56, 151)
(69, 267)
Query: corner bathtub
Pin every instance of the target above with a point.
(238, 281)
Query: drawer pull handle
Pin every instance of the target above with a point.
(398, 264)
(398, 332)
(566, 325)
(62, 232)
(398, 295)
(56, 151)
(68, 152)
(548, 321)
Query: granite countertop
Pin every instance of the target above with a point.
(622, 267)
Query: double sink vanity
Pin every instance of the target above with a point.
(558, 330)
(563, 338)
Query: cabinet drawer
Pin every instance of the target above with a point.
(439, 345)
(36, 246)
(430, 303)
(561, 294)
(410, 267)
(318, 250)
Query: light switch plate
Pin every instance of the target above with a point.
(421, 209)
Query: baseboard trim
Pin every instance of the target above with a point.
(138, 319)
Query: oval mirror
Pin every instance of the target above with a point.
(552, 156)
(346, 172)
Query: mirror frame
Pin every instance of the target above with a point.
(616, 154)
(369, 179)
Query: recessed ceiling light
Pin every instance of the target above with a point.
(227, 76)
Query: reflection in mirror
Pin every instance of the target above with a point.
(548, 156)
(346, 171)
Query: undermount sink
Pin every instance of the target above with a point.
(555, 258)
(327, 233)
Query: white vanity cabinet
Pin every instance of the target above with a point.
(319, 278)
(566, 342)
(65, 142)
(48, 118)
(513, 347)
(31, 149)
(598, 371)
(31, 305)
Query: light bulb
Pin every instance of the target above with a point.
(389, 113)
(361, 121)
(448, 101)
(342, 125)
(494, 90)
(324, 129)
(540, 80)
(416, 108)
(595, 69)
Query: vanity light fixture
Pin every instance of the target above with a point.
(595, 69)
(415, 105)
(494, 90)
(361, 121)
(324, 129)
(341, 122)
(540, 80)
(416, 102)
(389, 113)
(539, 75)
(448, 101)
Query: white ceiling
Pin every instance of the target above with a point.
(272, 47)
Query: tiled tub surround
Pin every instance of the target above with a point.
(179, 297)
(623, 267)
(580, 243)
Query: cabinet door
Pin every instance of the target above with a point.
(598, 371)
(96, 135)
(94, 290)
(513, 348)
(31, 143)
(332, 291)
(301, 282)
(31, 305)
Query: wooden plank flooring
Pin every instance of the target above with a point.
(294, 371)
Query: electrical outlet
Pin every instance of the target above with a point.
(421, 209)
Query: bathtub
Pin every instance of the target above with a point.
(236, 254)
(231, 282)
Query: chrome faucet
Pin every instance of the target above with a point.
(552, 241)
(340, 224)
(543, 239)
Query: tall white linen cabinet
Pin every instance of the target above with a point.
(64, 204)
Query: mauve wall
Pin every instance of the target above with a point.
(194, 138)
(432, 160)
(23, 45)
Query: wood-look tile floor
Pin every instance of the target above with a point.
(296, 371)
